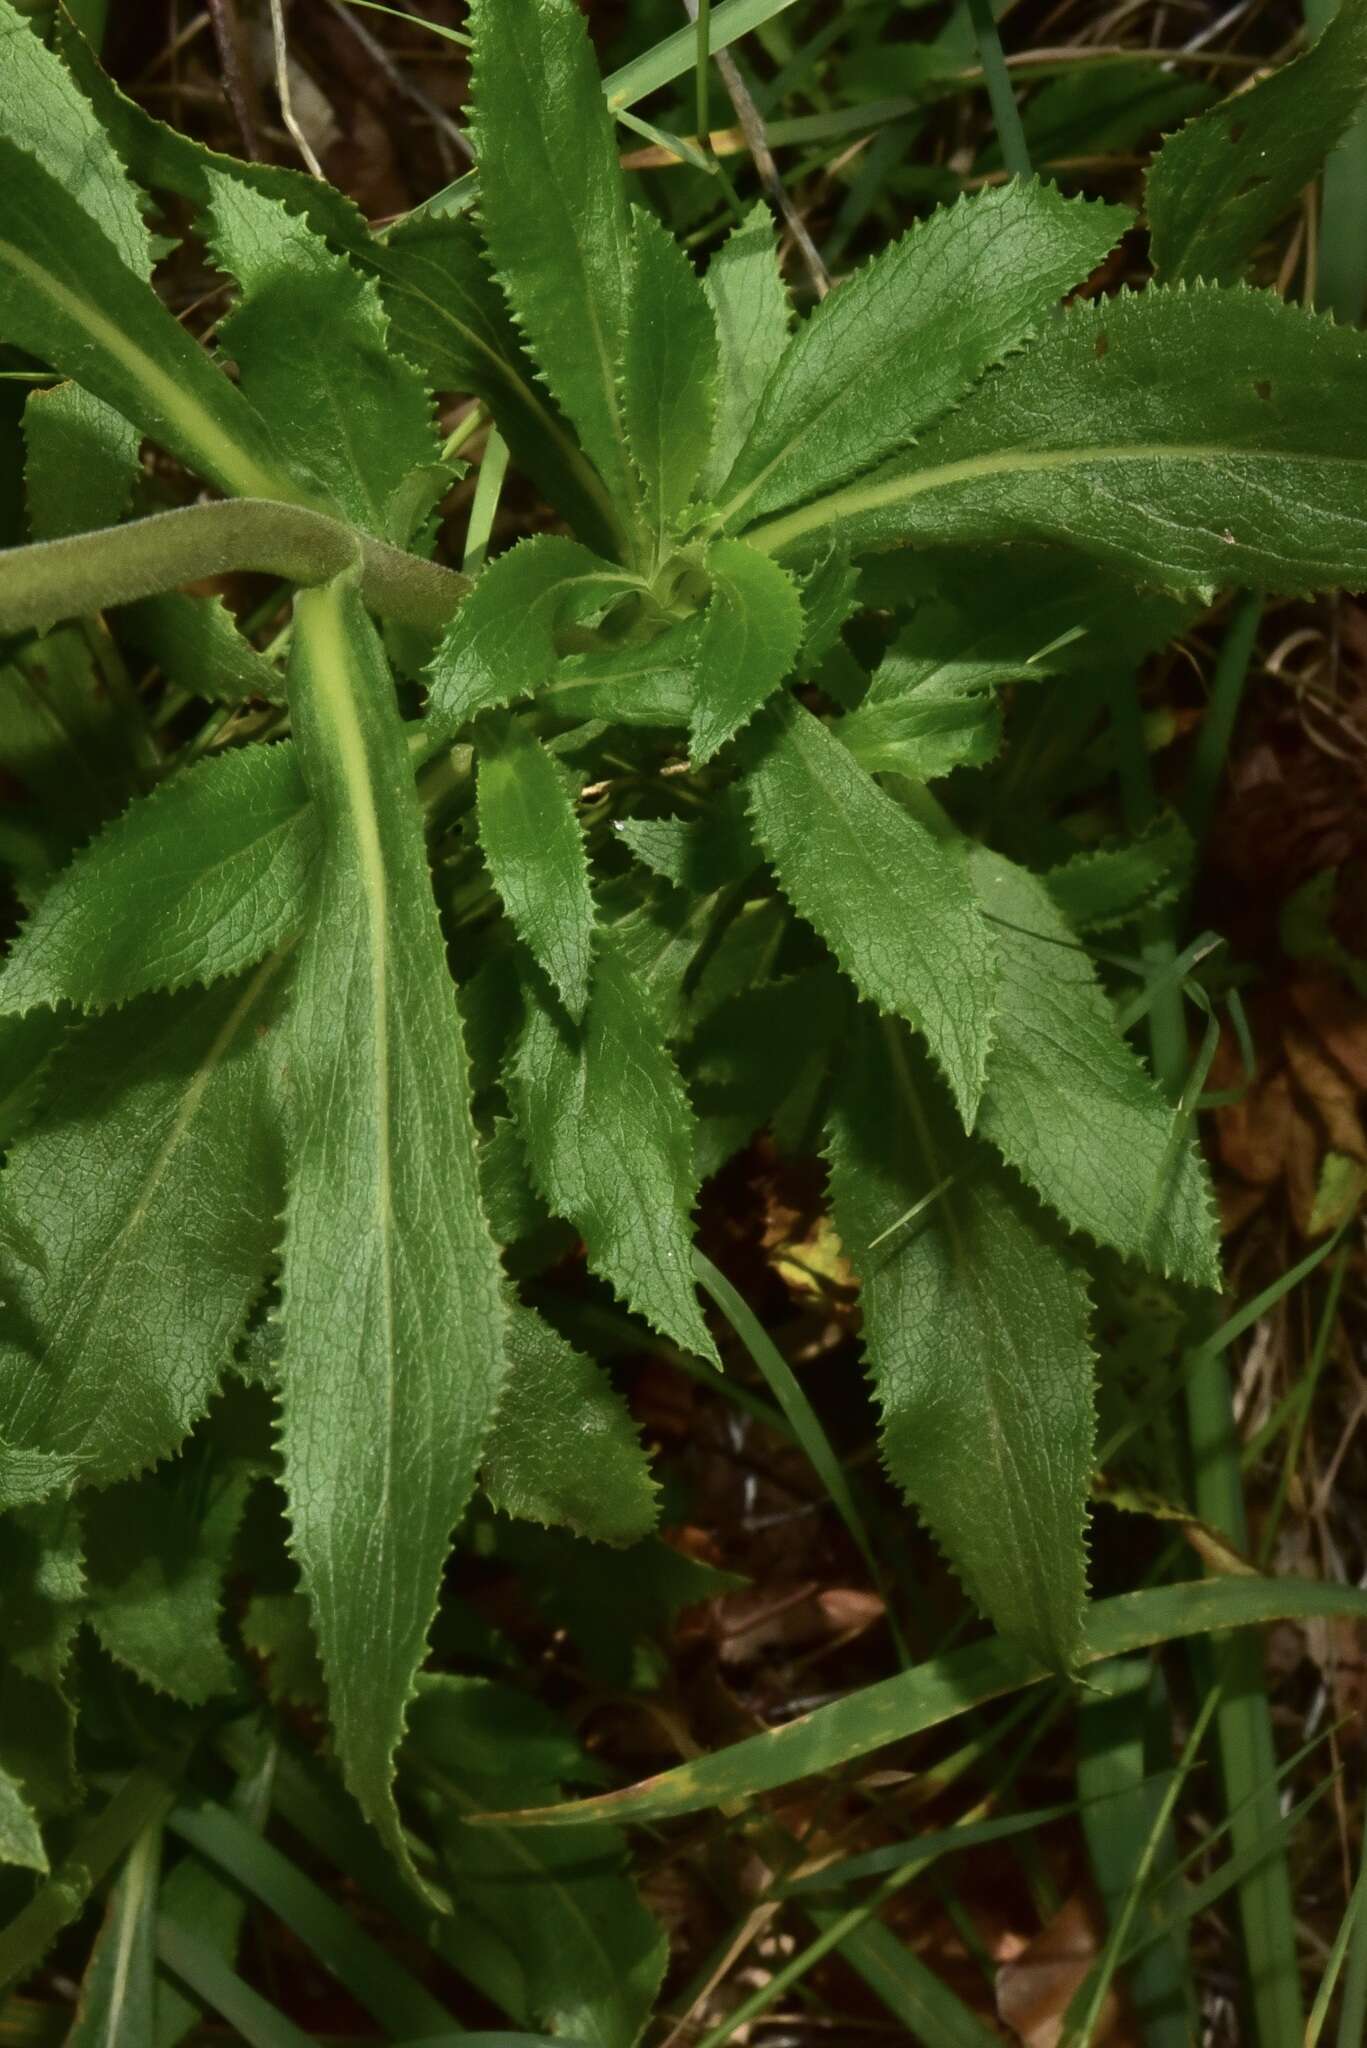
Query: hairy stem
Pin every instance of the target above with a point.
(66, 579)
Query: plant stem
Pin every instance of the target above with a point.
(140, 1801)
(65, 579)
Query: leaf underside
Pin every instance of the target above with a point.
(393, 1316)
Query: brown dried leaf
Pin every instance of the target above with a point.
(1035, 1989)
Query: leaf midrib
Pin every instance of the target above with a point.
(334, 697)
(222, 454)
(774, 535)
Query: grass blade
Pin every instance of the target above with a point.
(386, 1990)
(251, 2016)
(942, 1689)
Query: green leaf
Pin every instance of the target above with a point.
(161, 157)
(316, 358)
(975, 1327)
(150, 1184)
(564, 263)
(534, 849)
(564, 1450)
(48, 116)
(63, 738)
(118, 2001)
(835, 838)
(609, 1138)
(922, 716)
(67, 296)
(277, 1630)
(1043, 611)
(651, 683)
(197, 644)
(894, 348)
(449, 317)
(1113, 885)
(393, 1318)
(501, 645)
(21, 1839)
(753, 1048)
(830, 596)
(1193, 438)
(44, 1590)
(82, 456)
(659, 939)
(1067, 1103)
(938, 1691)
(702, 854)
(586, 1959)
(199, 880)
(42, 1598)
(669, 390)
(159, 1550)
(514, 1208)
(751, 632)
(1218, 186)
(82, 460)
(749, 301)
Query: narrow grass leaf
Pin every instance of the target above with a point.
(117, 2005)
(834, 838)
(378, 1983)
(393, 1318)
(942, 1689)
(609, 1137)
(534, 849)
(202, 1970)
(787, 1391)
(976, 1334)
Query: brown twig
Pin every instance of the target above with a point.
(239, 80)
(757, 142)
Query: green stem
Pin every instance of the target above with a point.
(140, 1801)
(65, 579)
(1005, 112)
